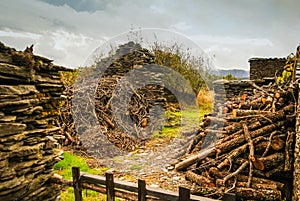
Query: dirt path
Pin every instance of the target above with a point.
(152, 163)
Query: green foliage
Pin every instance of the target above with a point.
(284, 77)
(191, 68)
(68, 77)
(230, 77)
(288, 69)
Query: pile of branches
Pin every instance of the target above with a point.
(65, 121)
(126, 129)
(252, 153)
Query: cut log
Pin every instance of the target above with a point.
(272, 117)
(269, 144)
(210, 120)
(275, 171)
(251, 153)
(277, 95)
(277, 143)
(258, 194)
(235, 173)
(239, 161)
(193, 159)
(197, 140)
(236, 152)
(256, 104)
(272, 161)
(211, 131)
(199, 179)
(215, 173)
(237, 130)
(204, 191)
(239, 112)
(220, 183)
(259, 164)
(232, 155)
(229, 145)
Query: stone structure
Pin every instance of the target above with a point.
(266, 67)
(30, 95)
(226, 90)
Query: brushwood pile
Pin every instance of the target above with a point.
(127, 128)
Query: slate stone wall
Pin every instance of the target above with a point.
(225, 90)
(30, 95)
(266, 67)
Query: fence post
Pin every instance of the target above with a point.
(184, 194)
(229, 197)
(141, 190)
(77, 183)
(110, 194)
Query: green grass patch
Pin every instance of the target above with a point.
(168, 132)
(192, 117)
(87, 195)
(137, 166)
(64, 167)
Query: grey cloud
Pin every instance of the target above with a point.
(270, 20)
(80, 5)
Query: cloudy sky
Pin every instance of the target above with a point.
(230, 31)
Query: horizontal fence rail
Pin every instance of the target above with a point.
(128, 191)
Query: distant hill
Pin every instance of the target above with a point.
(239, 73)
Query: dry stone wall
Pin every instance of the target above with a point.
(227, 90)
(266, 67)
(30, 95)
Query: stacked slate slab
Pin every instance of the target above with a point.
(30, 97)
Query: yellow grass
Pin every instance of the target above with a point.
(205, 98)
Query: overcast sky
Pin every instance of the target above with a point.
(231, 31)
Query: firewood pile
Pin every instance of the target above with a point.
(245, 146)
(127, 129)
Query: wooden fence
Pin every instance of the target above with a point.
(128, 191)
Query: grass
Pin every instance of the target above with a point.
(64, 168)
(205, 99)
(137, 166)
(167, 132)
(192, 117)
